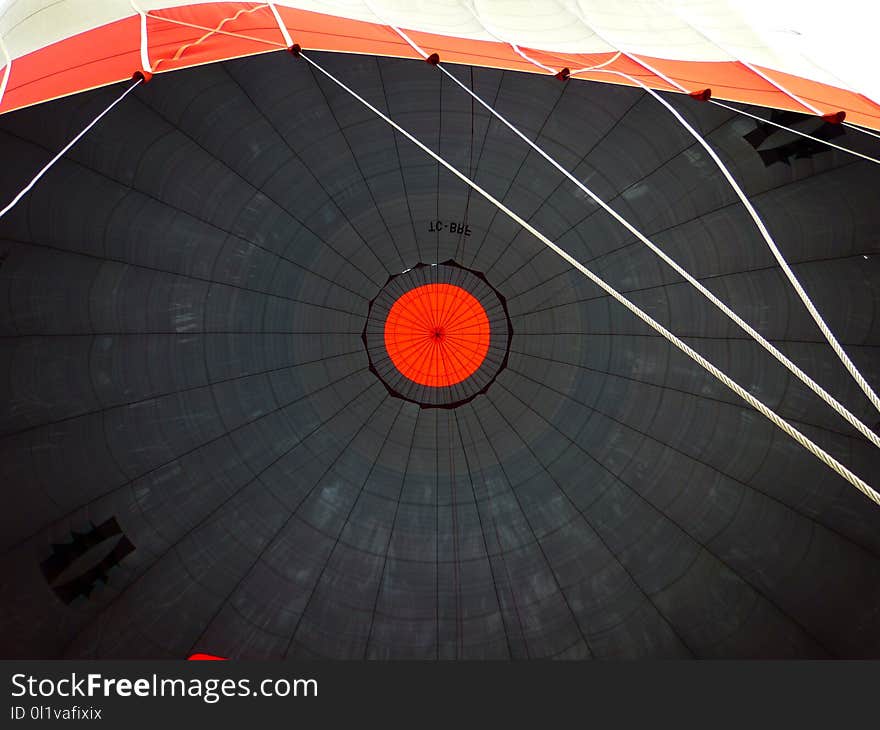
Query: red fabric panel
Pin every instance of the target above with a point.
(85, 61)
(111, 53)
(437, 334)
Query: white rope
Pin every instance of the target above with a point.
(776, 84)
(7, 70)
(145, 44)
(531, 60)
(783, 425)
(869, 132)
(644, 64)
(838, 407)
(283, 28)
(599, 65)
(794, 131)
(67, 147)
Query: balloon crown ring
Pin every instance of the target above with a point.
(437, 334)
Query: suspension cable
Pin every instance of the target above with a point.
(27, 188)
(7, 69)
(758, 405)
(826, 142)
(869, 132)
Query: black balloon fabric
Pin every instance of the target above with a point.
(196, 456)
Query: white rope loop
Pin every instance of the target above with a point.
(768, 413)
(48, 166)
(826, 142)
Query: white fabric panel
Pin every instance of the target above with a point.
(838, 40)
(645, 27)
(446, 17)
(728, 28)
(26, 25)
(539, 25)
